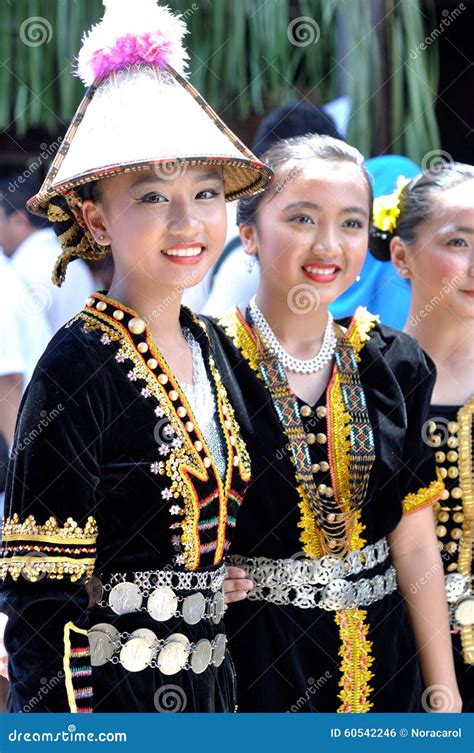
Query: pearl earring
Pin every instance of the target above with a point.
(250, 263)
(101, 237)
(404, 271)
(358, 278)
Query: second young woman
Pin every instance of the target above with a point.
(335, 534)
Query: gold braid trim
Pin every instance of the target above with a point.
(466, 482)
(76, 240)
(51, 531)
(237, 329)
(55, 568)
(310, 535)
(56, 214)
(424, 497)
(359, 329)
(339, 428)
(356, 661)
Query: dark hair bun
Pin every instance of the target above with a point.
(379, 243)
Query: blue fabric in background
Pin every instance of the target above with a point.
(380, 288)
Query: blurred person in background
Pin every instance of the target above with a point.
(428, 227)
(33, 249)
(235, 277)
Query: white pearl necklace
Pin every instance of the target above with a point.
(296, 365)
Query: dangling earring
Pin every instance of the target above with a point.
(250, 263)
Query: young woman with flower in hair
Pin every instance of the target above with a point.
(335, 534)
(429, 231)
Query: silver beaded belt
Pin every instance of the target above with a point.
(126, 592)
(320, 583)
(142, 648)
(460, 599)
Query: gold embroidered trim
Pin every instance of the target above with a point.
(358, 334)
(310, 535)
(237, 329)
(51, 531)
(185, 460)
(55, 568)
(339, 427)
(466, 482)
(356, 661)
(425, 496)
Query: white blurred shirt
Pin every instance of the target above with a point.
(25, 330)
(34, 260)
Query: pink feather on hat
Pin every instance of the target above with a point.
(131, 33)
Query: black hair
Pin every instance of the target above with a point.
(302, 148)
(418, 204)
(90, 190)
(14, 194)
(290, 120)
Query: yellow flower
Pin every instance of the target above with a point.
(386, 209)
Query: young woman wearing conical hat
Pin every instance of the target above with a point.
(128, 467)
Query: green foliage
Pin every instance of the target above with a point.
(245, 61)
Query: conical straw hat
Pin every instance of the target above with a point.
(141, 112)
(138, 112)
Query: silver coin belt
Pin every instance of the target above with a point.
(321, 583)
(460, 595)
(126, 593)
(141, 649)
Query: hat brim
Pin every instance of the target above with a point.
(144, 117)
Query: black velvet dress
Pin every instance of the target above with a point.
(452, 436)
(290, 658)
(111, 476)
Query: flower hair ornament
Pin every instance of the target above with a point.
(386, 209)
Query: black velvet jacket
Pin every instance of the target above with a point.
(290, 658)
(110, 474)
